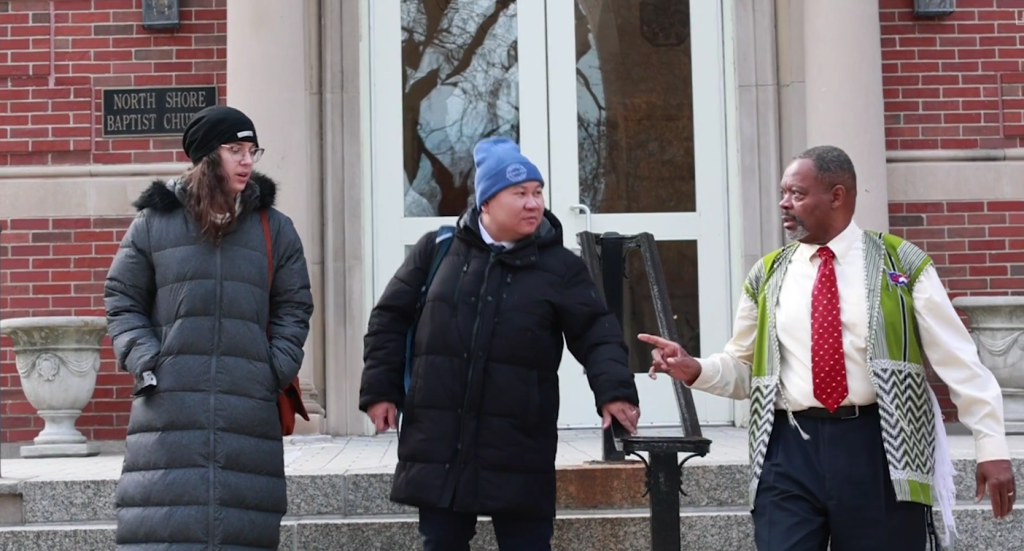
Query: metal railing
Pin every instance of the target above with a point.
(605, 256)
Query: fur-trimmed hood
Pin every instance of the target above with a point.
(170, 195)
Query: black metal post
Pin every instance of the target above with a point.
(612, 275)
(605, 257)
(664, 480)
(667, 326)
(613, 271)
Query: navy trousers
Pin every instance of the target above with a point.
(447, 530)
(835, 485)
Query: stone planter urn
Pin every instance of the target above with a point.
(57, 359)
(997, 325)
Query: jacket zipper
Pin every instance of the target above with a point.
(476, 322)
(458, 287)
(213, 379)
(453, 481)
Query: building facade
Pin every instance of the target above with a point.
(656, 116)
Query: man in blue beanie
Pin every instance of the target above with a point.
(479, 429)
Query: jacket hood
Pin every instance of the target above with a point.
(166, 196)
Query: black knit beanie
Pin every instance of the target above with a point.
(213, 127)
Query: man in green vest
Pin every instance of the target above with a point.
(829, 339)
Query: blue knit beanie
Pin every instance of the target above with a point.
(499, 165)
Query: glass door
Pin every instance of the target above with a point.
(636, 108)
(600, 95)
(444, 75)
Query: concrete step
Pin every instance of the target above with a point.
(622, 530)
(582, 487)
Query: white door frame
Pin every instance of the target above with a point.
(708, 225)
(548, 133)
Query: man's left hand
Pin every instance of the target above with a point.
(997, 478)
(627, 414)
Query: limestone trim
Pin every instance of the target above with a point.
(938, 155)
(49, 172)
(72, 197)
(956, 180)
(761, 80)
(77, 190)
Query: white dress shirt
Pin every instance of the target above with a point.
(946, 342)
(490, 240)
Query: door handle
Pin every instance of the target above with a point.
(582, 209)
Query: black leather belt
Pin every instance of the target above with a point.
(842, 412)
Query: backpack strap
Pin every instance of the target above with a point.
(443, 242)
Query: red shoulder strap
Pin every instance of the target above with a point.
(270, 254)
(270, 248)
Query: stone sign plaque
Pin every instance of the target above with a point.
(163, 111)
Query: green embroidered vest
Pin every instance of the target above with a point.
(894, 360)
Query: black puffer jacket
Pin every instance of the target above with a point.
(479, 428)
(204, 461)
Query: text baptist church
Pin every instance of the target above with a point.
(140, 112)
(669, 117)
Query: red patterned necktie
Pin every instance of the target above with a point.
(828, 363)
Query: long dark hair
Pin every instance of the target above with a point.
(208, 200)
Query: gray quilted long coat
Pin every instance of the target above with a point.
(204, 462)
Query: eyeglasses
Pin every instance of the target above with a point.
(238, 152)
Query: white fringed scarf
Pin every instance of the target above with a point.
(943, 489)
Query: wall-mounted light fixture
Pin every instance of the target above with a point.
(934, 8)
(161, 14)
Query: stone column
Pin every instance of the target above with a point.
(273, 66)
(843, 86)
(347, 256)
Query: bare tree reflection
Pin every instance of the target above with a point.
(460, 83)
(635, 139)
(591, 115)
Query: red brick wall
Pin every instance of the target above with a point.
(954, 82)
(56, 57)
(977, 246)
(56, 267)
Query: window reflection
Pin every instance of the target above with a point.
(679, 263)
(634, 106)
(460, 82)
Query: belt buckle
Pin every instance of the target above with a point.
(856, 414)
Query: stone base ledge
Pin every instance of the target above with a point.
(591, 488)
(728, 529)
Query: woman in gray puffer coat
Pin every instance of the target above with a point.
(189, 299)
